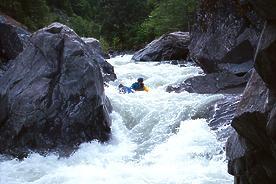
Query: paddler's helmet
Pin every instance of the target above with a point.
(140, 79)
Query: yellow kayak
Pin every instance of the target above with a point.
(146, 88)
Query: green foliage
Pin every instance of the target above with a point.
(83, 27)
(64, 5)
(82, 8)
(168, 16)
(118, 17)
(105, 45)
(33, 13)
(118, 24)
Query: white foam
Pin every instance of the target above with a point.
(154, 139)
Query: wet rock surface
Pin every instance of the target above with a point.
(223, 114)
(265, 55)
(256, 164)
(171, 46)
(52, 96)
(219, 115)
(228, 38)
(96, 46)
(106, 68)
(214, 83)
(223, 39)
(255, 118)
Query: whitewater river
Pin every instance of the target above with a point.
(154, 141)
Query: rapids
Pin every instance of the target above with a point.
(154, 139)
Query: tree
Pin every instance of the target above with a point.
(118, 17)
(168, 16)
(123, 24)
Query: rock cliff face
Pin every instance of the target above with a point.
(52, 96)
(223, 44)
(234, 37)
(224, 38)
(172, 46)
(251, 150)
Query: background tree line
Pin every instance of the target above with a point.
(118, 24)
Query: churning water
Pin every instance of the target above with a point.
(154, 141)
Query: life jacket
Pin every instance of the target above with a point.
(137, 87)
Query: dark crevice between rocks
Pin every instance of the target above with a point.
(4, 111)
(55, 76)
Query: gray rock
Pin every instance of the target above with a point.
(212, 84)
(266, 55)
(219, 115)
(223, 40)
(106, 68)
(52, 97)
(249, 149)
(235, 150)
(172, 46)
(96, 45)
(13, 38)
(250, 119)
(223, 114)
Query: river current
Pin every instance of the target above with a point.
(154, 139)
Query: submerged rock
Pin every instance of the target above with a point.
(172, 46)
(223, 114)
(211, 84)
(52, 97)
(219, 115)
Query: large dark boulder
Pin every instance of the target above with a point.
(265, 60)
(255, 120)
(266, 55)
(171, 46)
(52, 97)
(224, 39)
(250, 150)
(213, 83)
(250, 119)
(106, 68)
(265, 8)
(13, 38)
